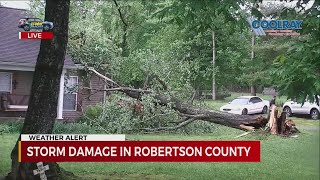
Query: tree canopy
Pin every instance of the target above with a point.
(171, 39)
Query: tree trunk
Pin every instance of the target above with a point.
(213, 65)
(253, 90)
(253, 43)
(42, 108)
(124, 43)
(281, 123)
(273, 124)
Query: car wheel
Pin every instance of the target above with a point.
(46, 27)
(265, 110)
(314, 114)
(244, 112)
(288, 111)
(26, 28)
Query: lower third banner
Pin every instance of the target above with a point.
(139, 151)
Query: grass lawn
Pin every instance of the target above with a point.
(282, 158)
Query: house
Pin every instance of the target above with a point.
(17, 63)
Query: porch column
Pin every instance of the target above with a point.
(60, 99)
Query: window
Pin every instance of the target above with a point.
(70, 93)
(240, 101)
(5, 82)
(255, 100)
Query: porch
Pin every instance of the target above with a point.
(12, 102)
(15, 88)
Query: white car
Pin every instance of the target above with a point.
(291, 107)
(246, 105)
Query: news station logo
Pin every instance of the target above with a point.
(275, 27)
(42, 29)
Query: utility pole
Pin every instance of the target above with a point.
(253, 43)
(213, 65)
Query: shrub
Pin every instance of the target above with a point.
(112, 117)
(59, 128)
(92, 112)
(11, 127)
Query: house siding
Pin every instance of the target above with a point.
(24, 82)
(86, 97)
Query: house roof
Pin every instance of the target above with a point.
(14, 51)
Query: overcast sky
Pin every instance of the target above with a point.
(16, 4)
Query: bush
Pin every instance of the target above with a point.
(112, 117)
(92, 112)
(59, 128)
(11, 127)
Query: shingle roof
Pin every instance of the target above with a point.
(14, 51)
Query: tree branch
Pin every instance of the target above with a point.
(102, 76)
(182, 124)
(150, 78)
(120, 14)
(119, 89)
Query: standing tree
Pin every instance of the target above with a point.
(213, 63)
(42, 111)
(296, 72)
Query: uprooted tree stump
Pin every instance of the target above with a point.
(279, 125)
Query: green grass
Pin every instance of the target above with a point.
(282, 158)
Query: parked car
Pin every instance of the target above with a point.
(246, 105)
(292, 107)
(34, 23)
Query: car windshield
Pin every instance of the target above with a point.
(240, 101)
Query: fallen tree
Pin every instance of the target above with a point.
(191, 113)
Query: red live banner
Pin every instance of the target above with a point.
(35, 35)
(139, 151)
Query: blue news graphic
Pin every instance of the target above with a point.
(277, 24)
(274, 27)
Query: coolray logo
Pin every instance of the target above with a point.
(275, 27)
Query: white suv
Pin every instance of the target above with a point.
(291, 107)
